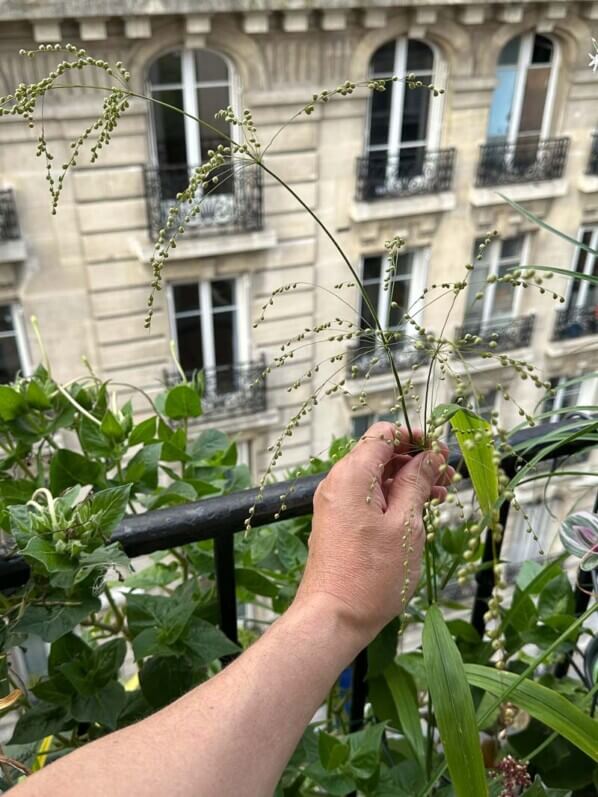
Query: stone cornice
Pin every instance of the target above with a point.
(82, 9)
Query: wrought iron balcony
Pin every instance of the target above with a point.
(9, 221)
(593, 159)
(381, 175)
(575, 322)
(232, 205)
(525, 161)
(362, 362)
(477, 337)
(236, 389)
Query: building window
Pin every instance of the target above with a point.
(401, 122)
(12, 343)
(522, 101)
(206, 329)
(569, 392)
(500, 299)
(584, 293)
(198, 82)
(361, 423)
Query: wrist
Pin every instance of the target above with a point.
(330, 620)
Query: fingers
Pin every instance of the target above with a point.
(381, 441)
(415, 482)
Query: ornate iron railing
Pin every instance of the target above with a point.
(234, 204)
(364, 362)
(574, 322)
(592, 167)
(475, 337)
(236, 389)
(381, 175)
(9, 220)
(524, 161)
(219, 518)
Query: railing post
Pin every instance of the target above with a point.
(358, 690)
(485, 577)
(224, 564)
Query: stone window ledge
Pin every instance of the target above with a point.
(200, 246)
(524, 192)
(421, 204)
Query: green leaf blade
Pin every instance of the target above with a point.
(453, 706)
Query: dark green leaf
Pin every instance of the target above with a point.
(163, 680)
(179, 492)
(52, 622)
(68, 468)
(111, 427)
(208, 445)
(143, 467)
(255, 582)
(110, 505)
(404, 693)
(556, 597)
(103, 706)
(144, 432)
(538, 789)
(365, 751)
(36, 397)
(333, 752)
(12, 403)
(453, 707)
(383, 649)
(182, 402)
(464, 630)
(42, 551)
(39, 721)
(207, 642)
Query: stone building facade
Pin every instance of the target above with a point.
(517, 115)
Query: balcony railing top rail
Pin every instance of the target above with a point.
(221, 517)
(592, 167)
(237, 389)
(523, 161)
(381, 175)
(9, 220)
(575, 322)
(234, 204)
(504, 335)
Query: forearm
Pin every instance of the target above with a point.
(230, 736)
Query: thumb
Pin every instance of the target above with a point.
(413, 484)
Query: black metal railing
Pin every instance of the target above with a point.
(574, 322)
(524, 161)
(234, 204)
(364, 362)
(495, 336)
(9, 220)
(221, 517)
(236, 389)
(592, 167)
(381, 175)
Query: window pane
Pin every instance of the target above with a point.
(476, 282)
(380, 116)
(361, 423)
(169, 129)
(415, 115)
(411, 161)
(6, 324)
(534, 98)
(190, 343)
(223, 293)
(580, 267)
(511, 248)
(186, 297)
(383, 60)
(224, 336)
(510, 52)
(210, 67)
(166, 69)
(9, 359)
(502, 100)
(209, 101)
(401, 289)
(371, 268)
(419, 56)
(542, 52)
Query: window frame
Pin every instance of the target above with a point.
(419, 268)
(394, 144)
(589, 265)
(188, 87)
(206, 314)
(524, 64)
(495, 261)
(20, 336)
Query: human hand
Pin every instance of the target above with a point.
(367, 537)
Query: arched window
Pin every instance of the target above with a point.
(197, 81)
(522, 101)
(404, 127)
